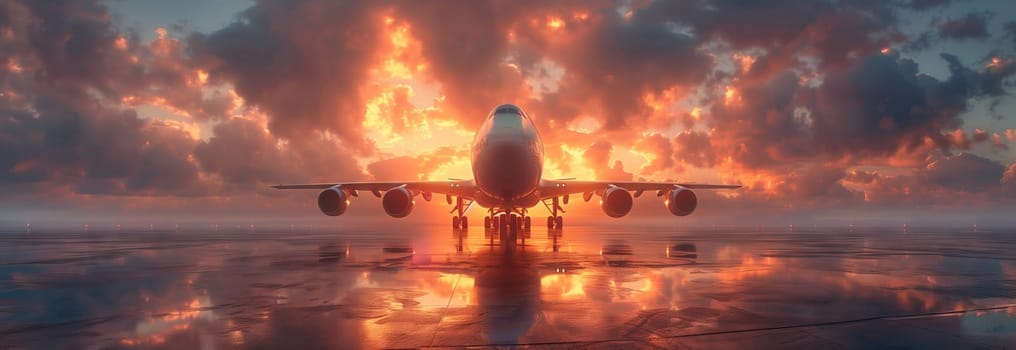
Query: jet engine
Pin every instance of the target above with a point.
(333, 201)
(398, 202)
(681, 201)
(616, 202)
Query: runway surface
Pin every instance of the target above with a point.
(208, 287)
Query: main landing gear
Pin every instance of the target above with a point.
(555, 221)
(460, 220)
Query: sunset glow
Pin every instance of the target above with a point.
(380, 91)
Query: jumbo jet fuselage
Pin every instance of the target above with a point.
(507, 159)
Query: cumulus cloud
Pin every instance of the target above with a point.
(413, 167)
(660, 149)
(598, 156)
(303, 62)
(60, 128)
(965, 172)
(1009, 178)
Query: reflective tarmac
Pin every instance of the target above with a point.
(584, 287)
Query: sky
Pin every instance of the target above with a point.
(131, 107)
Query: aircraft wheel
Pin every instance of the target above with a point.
(550, 222)
(560, 222)
(504, 224)
(464, 222)
(455, 222)
(528, 223)
(486, 222)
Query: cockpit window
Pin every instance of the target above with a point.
(512, 110)
(510, 121)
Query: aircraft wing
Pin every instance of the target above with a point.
(556, 188)
(459, 188)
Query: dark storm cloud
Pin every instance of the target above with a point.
(922, 5)
(259, 158)
(832, 31)
(244, 155)
(66, 127)
(883, 104)
(972, 26)
(95, 150)
(303, 62)
(879, 106)
(618, 62)
(72, 46)
(993, 79)
(814, 182)
(71, 43)
(58, 128)
(693, 148)
(963, 179)
(171, 76)
(1010, 31)
(741, 23)
(966, 172)
(466, 44)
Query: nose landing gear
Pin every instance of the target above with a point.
(511, 224)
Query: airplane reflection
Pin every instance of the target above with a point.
(332, 253)
(616, 253)
(554, 235)
(508, 295)
(510, 285)
(682, 251)
(460, 235)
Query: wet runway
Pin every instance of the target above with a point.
(584, 287)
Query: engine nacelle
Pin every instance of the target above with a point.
(333, 201)
(616, 202)
(681, 201)
(398, 202)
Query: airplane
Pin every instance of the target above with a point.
(507, 162)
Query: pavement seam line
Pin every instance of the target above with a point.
(455, 286)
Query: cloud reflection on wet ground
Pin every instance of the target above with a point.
(597, 287)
